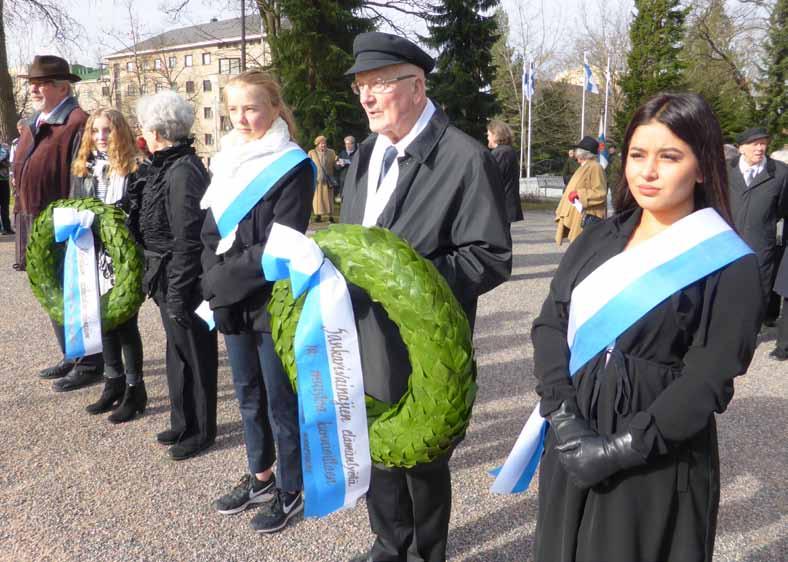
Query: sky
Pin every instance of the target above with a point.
(104, 19)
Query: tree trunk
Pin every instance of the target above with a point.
(8, 114)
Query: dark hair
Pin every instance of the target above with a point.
(690, 118)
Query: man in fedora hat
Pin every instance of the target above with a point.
(437, 188)
(42, 171)
(759, 199)
(585, 195)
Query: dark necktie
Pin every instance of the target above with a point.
(388, 159)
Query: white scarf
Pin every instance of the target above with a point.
(239, 161)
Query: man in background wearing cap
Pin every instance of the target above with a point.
(437, 188)
(585, 194)
(42, 173)
(759, 199)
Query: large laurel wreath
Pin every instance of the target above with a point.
(434, 412)
(45, 256)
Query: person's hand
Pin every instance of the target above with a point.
(590, 460)
(227, 320)
(573, 196)
(568, 424)
(179, 315)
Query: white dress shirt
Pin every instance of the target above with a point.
(750, 172)
(378, 197)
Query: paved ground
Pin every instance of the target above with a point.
(75, 487)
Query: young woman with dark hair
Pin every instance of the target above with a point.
(635, 351)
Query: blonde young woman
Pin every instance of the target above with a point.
(238, 293)
(105, 167)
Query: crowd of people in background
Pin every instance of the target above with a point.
(453, 201)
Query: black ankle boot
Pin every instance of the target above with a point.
(134, 402)
(110, 396)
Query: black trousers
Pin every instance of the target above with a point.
(88, 363)
(5, 202)
(409, 511)
(191, 377)
(782, 328)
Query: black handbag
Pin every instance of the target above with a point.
(588, 220)
(330, 180)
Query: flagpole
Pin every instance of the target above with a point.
(583, 104)
(522, 123)
(607, 91)
(528, 168)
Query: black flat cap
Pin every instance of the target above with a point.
(590, 144)
(752, 134)
(375, 50)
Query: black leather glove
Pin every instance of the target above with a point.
(227, 320)
(589, 460)
(568, 424)
(179, 315)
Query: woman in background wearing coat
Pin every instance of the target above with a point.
(325, 160)
(630, 469)
(499, 140)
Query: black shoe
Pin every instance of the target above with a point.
(134, 401)
(362, 558)
(275, 516)
(58, 371)
(110, 396)
(8, 232)
(249, 491)
(188, 448)
(168, 436)
(76, 378)
(778, 354)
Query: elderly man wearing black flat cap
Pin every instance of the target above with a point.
(759, 199)
(42, 172)
(439, 189)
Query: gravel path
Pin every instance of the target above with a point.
(75, 487)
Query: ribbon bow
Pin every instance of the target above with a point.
(332, 413)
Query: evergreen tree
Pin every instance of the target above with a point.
(712, 68)
(461, 82)
(554, 131)
(653, 64)
(775, 100)
(507, 84)
(311, 57)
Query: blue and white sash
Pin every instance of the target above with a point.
(615, 296)
(81, 301)
(332, 413)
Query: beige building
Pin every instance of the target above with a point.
(194, 61)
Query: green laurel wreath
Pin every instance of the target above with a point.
(434, 413)
(44, 257)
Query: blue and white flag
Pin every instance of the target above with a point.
(81, 300)
(604, 155)
(332, 413)
(529, 81)
(615, 296)
(589, 84)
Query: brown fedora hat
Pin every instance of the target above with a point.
(50, 67)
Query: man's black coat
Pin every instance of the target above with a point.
(449, 207)
(756, 211)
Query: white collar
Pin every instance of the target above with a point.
(43, 117)
(744, 167)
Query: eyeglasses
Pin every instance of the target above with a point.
(379, 85)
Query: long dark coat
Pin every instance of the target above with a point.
(448, 206)
(667, 376)
(509, 166)
(756, 211)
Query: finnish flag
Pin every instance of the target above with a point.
(589, 84)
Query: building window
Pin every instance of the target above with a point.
(224, 123)
(229, 66)
(207, 113)
(206, 58)
(131, 90)
(129, 66)
(143, 89)
(157, 64)
(105, 91)
(146, 65)
(158, 87)
(206, 86)
(208, 139)
(189, 87)
(187, 60)
(172, 62)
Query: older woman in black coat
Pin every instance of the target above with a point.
(170, 220)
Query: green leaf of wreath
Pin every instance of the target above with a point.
(434, 413)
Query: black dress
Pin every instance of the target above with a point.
(666, 377)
